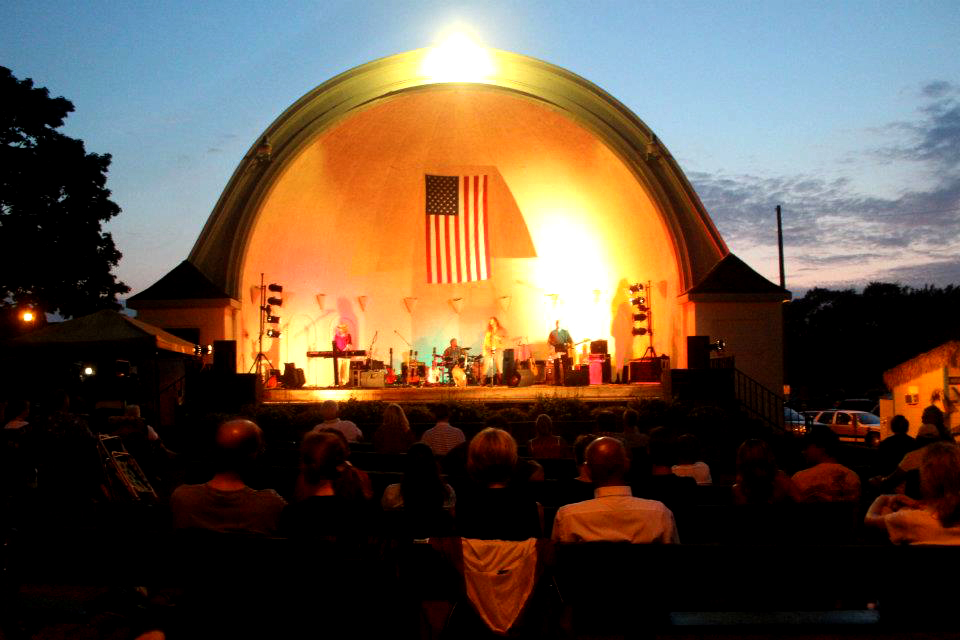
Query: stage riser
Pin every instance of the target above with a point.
(591, 393)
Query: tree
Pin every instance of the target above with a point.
(54, 253)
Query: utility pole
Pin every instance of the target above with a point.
(783, 281)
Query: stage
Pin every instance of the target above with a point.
(600, 393)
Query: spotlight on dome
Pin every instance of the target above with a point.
(458, 58)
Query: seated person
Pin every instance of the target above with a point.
(493, 507)
(935, 519)
(613, 514)
(442, 437)
(759, 481)
(394, 434)
(225, 504)
(580, 487)
(426, 500)
(688, 460)
(547, 445)
(330, 411)
(899, 443)
(826, 480)
(677, 492)
(323, 511)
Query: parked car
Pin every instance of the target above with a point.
(860, 425)
(794, 422)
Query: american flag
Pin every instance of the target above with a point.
(458, 244)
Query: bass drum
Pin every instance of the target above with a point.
(434, 375)
(459, 376)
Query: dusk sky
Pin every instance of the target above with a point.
(845, 113)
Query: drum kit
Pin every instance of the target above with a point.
(458, 372)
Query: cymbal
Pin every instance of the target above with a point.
(465, 348)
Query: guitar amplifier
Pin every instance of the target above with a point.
(372, 379)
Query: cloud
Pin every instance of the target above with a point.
(833, 234)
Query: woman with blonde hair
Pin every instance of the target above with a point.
(494, 507)
(394, 434)
(493, 340)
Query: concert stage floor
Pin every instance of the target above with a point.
(603, 393)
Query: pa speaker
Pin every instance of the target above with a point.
(225, 356)
(509, 364)
(698, 352)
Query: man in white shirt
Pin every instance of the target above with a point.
(613, 514)
(330, 411)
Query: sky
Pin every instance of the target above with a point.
(846, 114)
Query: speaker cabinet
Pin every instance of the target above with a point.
(698, 352)
(372, 379)
(509, 364)
(521, 378)
(225, 356)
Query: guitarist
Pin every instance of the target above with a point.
(562, 344)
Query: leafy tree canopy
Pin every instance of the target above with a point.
(839, 343)
(53, 198)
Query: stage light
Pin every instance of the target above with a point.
(276, 288)
(639, 331)
(273, 319)
(719, 345)
(639, 317)
(88, 370)
(636, 288)
(639, 301)
(458, 58)
(27, 316)
(273, 333)
(276, 301)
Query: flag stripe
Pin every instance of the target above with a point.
(486, 234)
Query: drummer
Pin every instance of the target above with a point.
(452, 354)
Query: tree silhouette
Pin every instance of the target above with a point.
(839, 343)
(53, 199)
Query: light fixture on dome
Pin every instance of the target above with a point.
(458, 58)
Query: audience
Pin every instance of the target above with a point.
(677, 492)
(394, 434)
(633, 438)
(330, 411)
(324, 511)
(891, 449)
(613, 514)
(759, 481)
(826, 480)
(935, 519)
(906, 477)
(546, 444)
(493, 507)
(442, 437)
(579, 488)
(688, 460)
(426, 500)
(351, 483)
(225, 504)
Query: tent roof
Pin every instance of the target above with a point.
(102, 328)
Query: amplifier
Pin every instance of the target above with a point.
(371, 379)
(646, 370)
